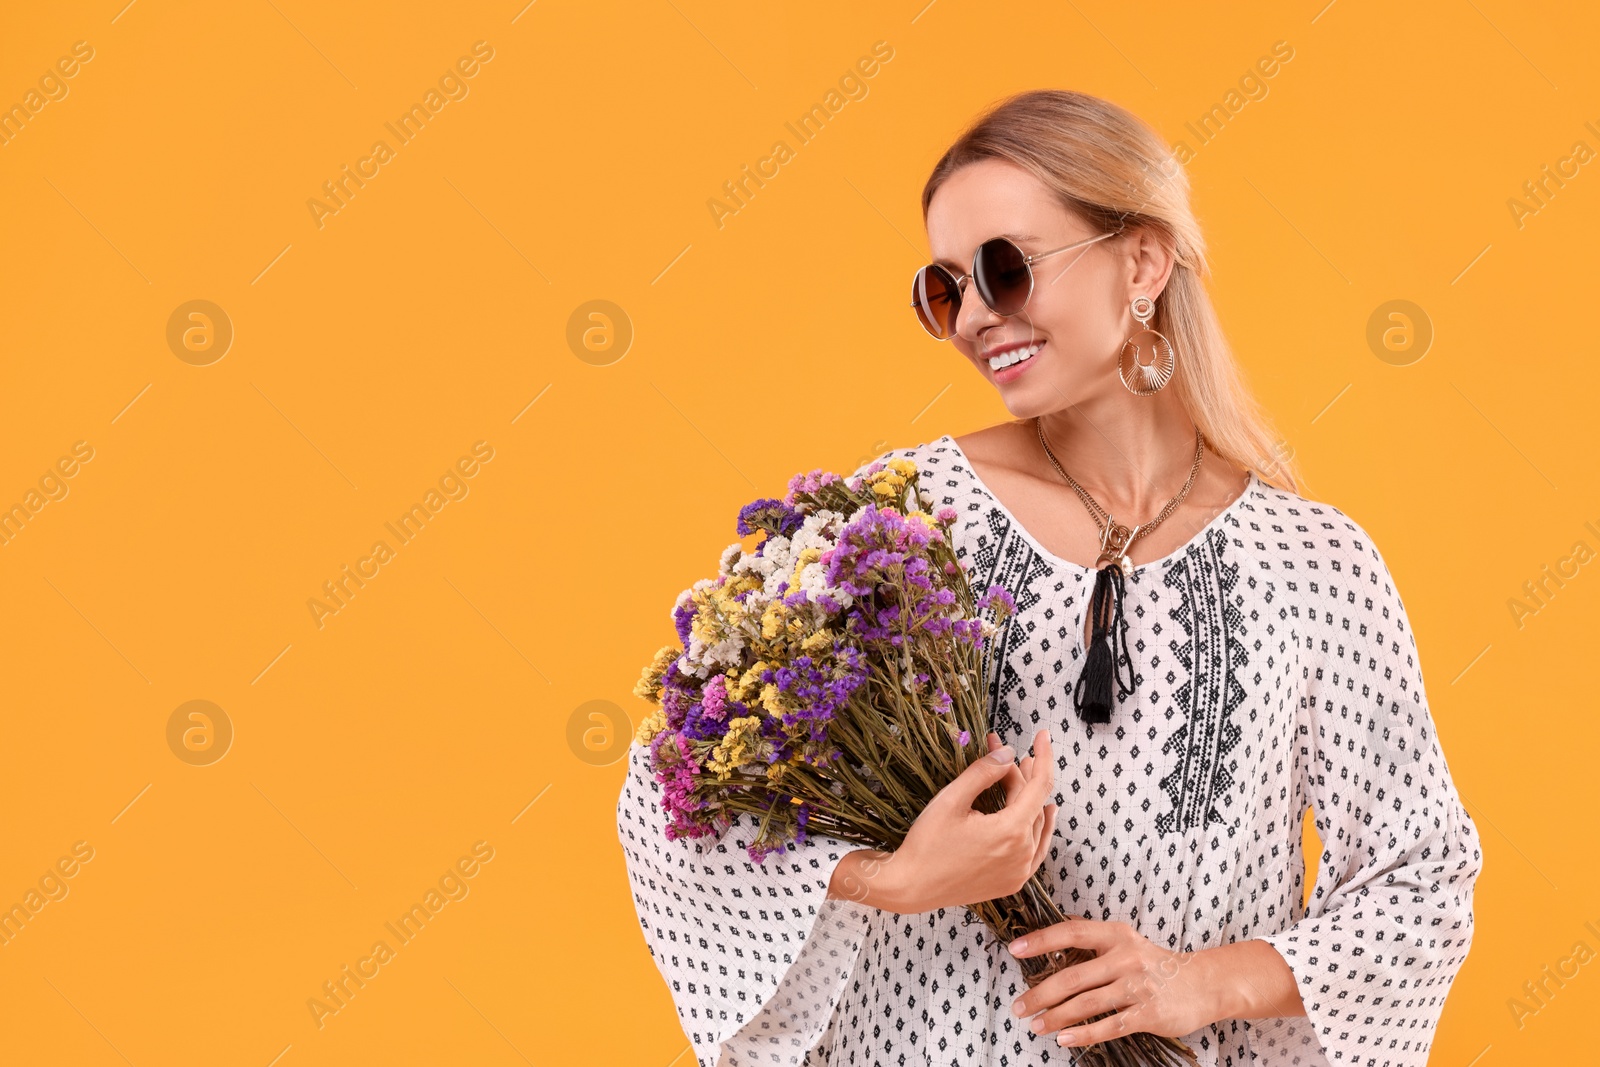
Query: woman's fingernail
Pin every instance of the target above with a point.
(1002, 754)
(1016, 1008)
(1019, 945)
(1067, 1037)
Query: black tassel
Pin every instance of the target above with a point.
(1108, 639)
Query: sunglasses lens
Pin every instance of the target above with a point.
(1002, 276)
(936, 300)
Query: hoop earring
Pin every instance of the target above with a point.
(1143, 379)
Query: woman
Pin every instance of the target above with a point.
(1209, 653)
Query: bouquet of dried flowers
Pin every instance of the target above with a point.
(831, 680)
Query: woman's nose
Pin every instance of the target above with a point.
(974, 314)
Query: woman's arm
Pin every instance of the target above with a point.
(870, 877)
(1251, 980)
(1146, 987)
(753, 954)
(1390, 918)
(955, 854)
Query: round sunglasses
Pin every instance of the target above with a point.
(1002, 272)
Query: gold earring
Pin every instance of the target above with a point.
(1141, 378)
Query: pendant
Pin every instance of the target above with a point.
(1114, 541)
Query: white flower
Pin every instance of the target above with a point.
(763, 565)
(814, 580)
(817, 531)
(693, 670)
(728, 652)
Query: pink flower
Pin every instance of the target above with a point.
(714, 699)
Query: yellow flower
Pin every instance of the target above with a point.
(703, 624)
(734, 750)
(727, 595)
(716, 609)
(817, 642)
(649, 685)
(740, 690)
(889, 481)
(653, 724)
(772, 620)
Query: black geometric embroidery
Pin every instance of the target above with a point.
(1213, 651)
(1005, 559)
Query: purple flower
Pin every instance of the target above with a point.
(997, 596)
(773, 516)
(817, 688)
(698, 726)
(682, 620)
(675, 701)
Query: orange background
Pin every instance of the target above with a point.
(449, 700)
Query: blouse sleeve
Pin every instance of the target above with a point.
(755, 955)
(1390, 920)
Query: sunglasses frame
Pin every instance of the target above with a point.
(1027, 261)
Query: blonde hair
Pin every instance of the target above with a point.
(1108, 166)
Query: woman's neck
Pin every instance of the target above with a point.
(1132, 455)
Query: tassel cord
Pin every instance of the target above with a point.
(1108, 649)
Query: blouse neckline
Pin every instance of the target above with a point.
(1081, 570)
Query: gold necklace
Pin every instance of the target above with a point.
(1115, 538)
(1106, 661)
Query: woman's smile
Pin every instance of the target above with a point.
(1008, 362)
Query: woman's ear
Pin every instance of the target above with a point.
(1151, 262)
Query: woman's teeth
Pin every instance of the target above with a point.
(1016, 355)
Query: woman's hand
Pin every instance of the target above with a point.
(954, 855)
(1152, 989)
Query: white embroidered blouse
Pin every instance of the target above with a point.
(1275, 670)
